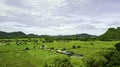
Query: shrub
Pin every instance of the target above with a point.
(52, 48)
(78, 46)
(58, 62)
(92, 43)
(74, 47)
(109, 58)
(63, 49)
(95, 61)
(117, 46)
(26, 48)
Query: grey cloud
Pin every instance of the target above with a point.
(60, 16)
(86, 27)
(5, 19)
(16, 3)
(115, 23)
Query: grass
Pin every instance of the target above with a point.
(86, 47)
(16, 56)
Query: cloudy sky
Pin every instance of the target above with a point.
(59, 17)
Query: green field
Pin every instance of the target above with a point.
(12, 55)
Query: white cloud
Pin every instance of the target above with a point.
(58, 16)
(4, 9)
(9, 11)
(11, 26)
(42, 7)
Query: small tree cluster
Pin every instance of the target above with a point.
(108, 58)
(117, 46)
(26, 48)
(58, 62)
(74, 47)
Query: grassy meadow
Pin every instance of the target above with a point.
(31, 54)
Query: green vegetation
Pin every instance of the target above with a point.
(33, 52)
(47, 37)
(82, 50)
(16, 35)
(61, 61)
(111, 34)
(108, 58)
(117, 46)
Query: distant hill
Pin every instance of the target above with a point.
(78, 35)
(32, 35)
(83, 37)
(12, 34)
(111, 34)
(3, 34)
(21, 34)
(17, 34)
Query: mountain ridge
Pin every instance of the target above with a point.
(110, 34)
(22, 34)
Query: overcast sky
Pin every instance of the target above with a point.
(59, 17)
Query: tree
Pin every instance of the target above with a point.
(95, 61)
(108, 58)
(26, 48)
(110, 34)
(117, 46)
(74, 47)
(78, 46)
(58, 62)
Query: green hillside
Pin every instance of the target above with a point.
(111, 34)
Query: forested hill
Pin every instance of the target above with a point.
(111, 34)
(21, 34)
(18, 34)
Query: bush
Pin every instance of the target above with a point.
(78, 46)
(92, 43)
(52, 48)
(109, 58)
(95, 61)
(117, 46)
(74, 47)
(26, 48)
(58, 62)
(63, 49)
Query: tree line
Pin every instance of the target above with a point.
(110, 35)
